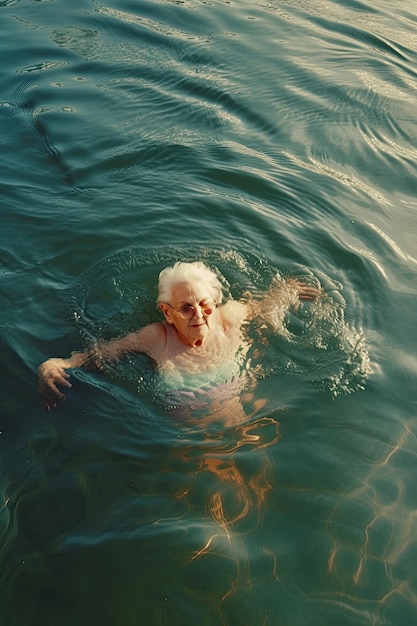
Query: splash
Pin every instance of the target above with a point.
(321, 345)
(312, 340)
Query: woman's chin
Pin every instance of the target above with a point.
(199, 331)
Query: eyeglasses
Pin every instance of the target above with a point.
(187, 311)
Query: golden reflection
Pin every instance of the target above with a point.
(366, 557)
(233, 496)
(369, 531)
(236, 496)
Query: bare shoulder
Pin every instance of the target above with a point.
(150, 339)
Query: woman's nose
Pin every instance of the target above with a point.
(198, 311)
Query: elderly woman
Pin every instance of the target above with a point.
(198, 348)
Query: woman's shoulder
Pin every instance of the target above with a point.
(151, 339)
(153, 331)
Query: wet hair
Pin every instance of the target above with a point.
(187, 273)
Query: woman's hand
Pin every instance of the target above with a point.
(51, 374)
(305, 292)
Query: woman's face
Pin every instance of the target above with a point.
(192, 331)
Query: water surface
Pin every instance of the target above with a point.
(260, 137)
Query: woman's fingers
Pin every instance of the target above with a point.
(50, 378)
(308, 292)
(61, 377)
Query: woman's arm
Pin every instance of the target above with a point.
(286, 291)
(53, 372)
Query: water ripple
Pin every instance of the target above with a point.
(267, 140)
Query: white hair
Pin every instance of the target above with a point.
(187, 273)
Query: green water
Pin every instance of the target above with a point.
(260, 137)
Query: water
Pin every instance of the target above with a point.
(261, 137)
